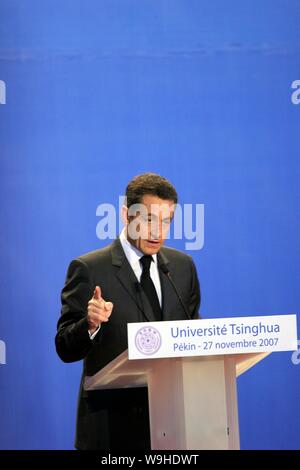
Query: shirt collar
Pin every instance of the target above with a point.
(132, 253)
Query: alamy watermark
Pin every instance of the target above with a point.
(183, 222)
(2, 92)
(295, 96)
(2, 352)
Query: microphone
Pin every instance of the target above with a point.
(165, 270)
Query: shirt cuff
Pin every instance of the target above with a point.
(92, 335)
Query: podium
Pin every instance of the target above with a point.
(190, 369)
(192, 400)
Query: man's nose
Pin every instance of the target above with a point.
(155, 230)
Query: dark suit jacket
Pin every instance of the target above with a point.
(116, 419)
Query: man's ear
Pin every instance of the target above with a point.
(124, 215)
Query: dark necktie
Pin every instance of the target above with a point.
(148, 286)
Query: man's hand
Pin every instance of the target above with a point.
(98, 310)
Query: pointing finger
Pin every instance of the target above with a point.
(97, 293)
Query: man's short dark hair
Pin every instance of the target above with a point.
(149, 183)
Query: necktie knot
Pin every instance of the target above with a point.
(146, 262)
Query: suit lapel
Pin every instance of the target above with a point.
(129, 281)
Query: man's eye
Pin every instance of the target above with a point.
(146, 219)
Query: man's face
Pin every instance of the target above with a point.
(148, 223)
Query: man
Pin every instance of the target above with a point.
(133, 279)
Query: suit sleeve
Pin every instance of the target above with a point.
(72, 339)
(195, 298)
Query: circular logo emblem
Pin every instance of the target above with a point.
(148, 340)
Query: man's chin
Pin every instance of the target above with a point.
(151, 248)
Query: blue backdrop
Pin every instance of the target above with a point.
(99, 91)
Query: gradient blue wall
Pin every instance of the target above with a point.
(98, 91)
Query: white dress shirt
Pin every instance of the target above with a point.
(134, 255)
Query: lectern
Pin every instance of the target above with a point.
(190, 369)
(192, 400)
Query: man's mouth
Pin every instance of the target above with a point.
(153, 242)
